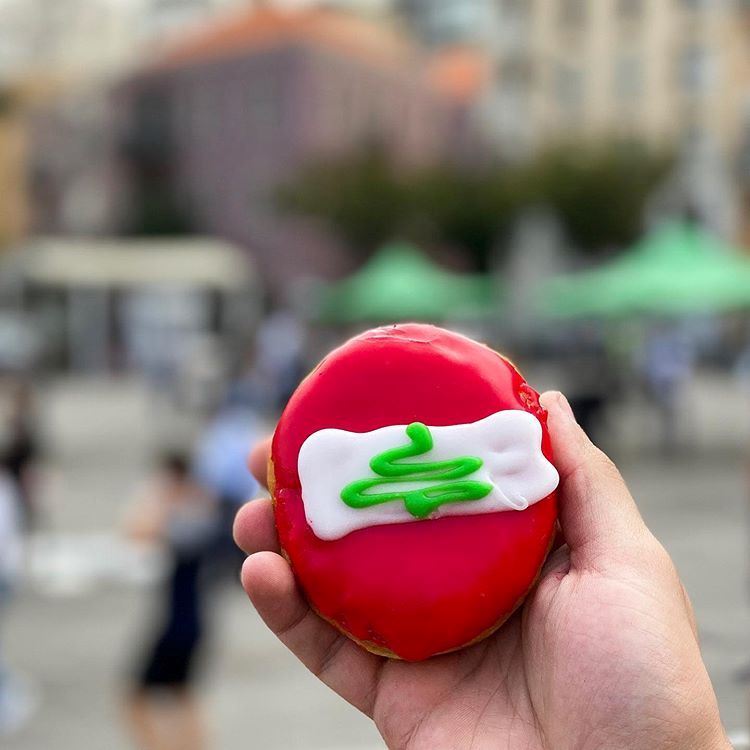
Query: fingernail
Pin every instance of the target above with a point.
(565, 406)
(556, 400)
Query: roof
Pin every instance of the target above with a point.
(263, 28)
(461, 73)
(400, 282)
(121, 263)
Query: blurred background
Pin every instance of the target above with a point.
(198, 198)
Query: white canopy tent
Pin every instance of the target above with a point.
(97, 295)
(122, 263)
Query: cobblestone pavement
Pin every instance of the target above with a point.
(73, 629)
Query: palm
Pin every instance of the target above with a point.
(461, 698)
(602, 655)
(574, 668)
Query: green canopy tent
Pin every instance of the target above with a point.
(678, 269)
(400, 283)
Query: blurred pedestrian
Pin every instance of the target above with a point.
(589, 378)
(220, 465)
(176, 513)
(16, 704)
(20, 451)
(280, 355)
(667, 365)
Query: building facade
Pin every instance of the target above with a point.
(70, 39)
(667, 71)
(14, 205)
(164, 17)
(674, 74)
(442, 22)
(204, 136)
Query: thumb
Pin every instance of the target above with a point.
(598, 516)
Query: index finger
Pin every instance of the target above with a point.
(597, 512)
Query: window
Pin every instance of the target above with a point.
(455, 21)
(264, 106)
(695, 4)
(515, 7)
(628, 77)
(516, 72)
(700, 143)
(569, 84)
(510, 114)
(629, 10)
(696, 69)
(572, 13)
(202, 109)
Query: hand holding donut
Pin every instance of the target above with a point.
(603, 654)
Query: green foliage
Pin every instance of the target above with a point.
(157, 213)
(466, 210)
(363, 198)
(597, 191)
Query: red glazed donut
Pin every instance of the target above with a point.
(408, 564)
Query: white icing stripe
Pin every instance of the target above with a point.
(509, 443)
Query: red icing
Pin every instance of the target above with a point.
(419, 588)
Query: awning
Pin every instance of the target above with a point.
(122, 263)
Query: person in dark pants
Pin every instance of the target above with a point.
(20, 452)
(176, 513)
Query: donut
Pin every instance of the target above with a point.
(414, 491)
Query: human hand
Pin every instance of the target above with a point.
(603, 654)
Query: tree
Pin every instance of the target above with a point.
(361, 196)
(598, 191)
(469, 211)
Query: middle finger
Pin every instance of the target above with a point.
(254, 528)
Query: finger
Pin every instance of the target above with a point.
(557, 564)
(558, 540)
(258, 460)
(597, 513)
(690, 612)
(340, 663)
(254, 528)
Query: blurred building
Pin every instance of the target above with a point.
(209, 131)
(92, 39)
(669, 71)
(168, 307)
(674, 74)
(47, 50)
(444, 22)
(67, 38)
(71, 169)
(163, 17)
(14, 208)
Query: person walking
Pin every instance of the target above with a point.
(220, 466)
(176, 513)
(16, 699)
